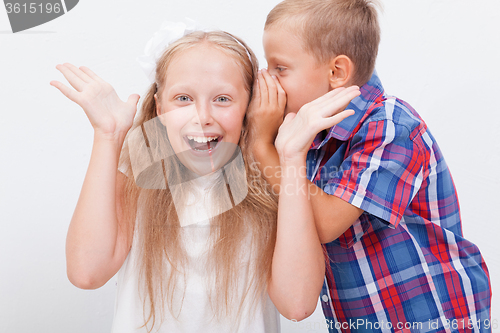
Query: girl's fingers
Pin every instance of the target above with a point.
(338, 102)
(78, 72)
(335, 119)
(285, 125)
(91, 74)
(133, 99)
(336, 94)
(288, 118)
(271, 87)
(332, 95)
(71, 94)
(72, 78)
(326, 97)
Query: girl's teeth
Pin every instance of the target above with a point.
(202, 139)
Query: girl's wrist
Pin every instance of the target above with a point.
(291, 159)
(116, 139)
(292, 162)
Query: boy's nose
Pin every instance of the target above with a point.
(272, 71)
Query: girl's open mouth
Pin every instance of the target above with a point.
(203, 143)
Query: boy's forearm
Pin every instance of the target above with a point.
(269, 164)
(298, 263)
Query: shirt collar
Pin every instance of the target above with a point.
(342, 131)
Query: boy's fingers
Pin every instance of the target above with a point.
(281, 94)
(264, 94)
(65, 90)
(256, 94)
(72, 78)
(78, 72)
(271, 87)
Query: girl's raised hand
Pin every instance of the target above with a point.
(107, 113)
(297, 132)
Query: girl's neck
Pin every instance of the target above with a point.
(206, 181)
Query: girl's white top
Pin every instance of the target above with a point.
(195, 314)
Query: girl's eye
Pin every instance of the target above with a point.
(183, 98)
(280, 69)
(222, 99)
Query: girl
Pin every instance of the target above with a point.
(192, 242)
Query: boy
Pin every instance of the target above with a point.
(380, 193)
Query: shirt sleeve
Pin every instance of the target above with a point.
(381, 173)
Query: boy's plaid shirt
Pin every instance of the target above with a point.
(404, 265)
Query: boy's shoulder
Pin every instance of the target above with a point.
(375, 110)
(399, 113)
(379, 115)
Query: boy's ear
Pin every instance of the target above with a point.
(341, 71)
(158, 109)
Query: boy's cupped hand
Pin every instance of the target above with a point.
(265, 113)
(107, 113)
(297, 131)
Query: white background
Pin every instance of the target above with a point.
(441, 56)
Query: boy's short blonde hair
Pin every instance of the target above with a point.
(330, 28)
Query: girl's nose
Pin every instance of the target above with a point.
(204, 114)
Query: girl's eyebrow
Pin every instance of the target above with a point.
(226, 87)
(217, 89)
(180, 86)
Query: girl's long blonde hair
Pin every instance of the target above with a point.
(158, 227)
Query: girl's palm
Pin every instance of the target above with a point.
(297, 131)
(107, 113)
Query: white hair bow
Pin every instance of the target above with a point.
(169, 32)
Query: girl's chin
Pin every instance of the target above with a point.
(200, 168)
(204, 162)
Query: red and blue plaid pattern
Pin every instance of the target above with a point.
(404, 265)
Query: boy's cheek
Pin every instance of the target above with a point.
(292, 101)
(289, 109)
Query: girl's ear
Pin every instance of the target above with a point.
(158, 109)
(341, 71)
